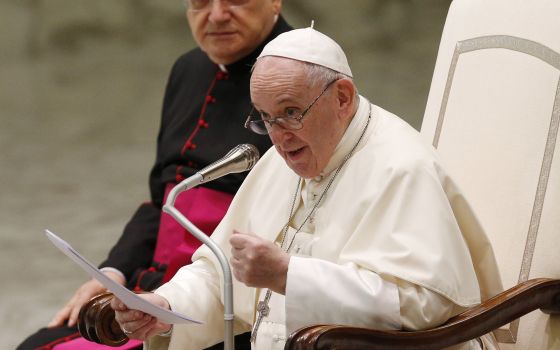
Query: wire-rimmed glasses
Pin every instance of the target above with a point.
(202, 5)
(262, 123)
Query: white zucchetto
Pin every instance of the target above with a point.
(309, 45)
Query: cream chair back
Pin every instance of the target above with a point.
(493, 113)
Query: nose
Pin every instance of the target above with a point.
(278, 135)
(219, 12)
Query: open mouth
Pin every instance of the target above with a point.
(295, 153)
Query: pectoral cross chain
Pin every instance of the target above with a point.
(263, 309)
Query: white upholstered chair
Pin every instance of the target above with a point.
(493, 114)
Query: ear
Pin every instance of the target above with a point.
(346, 95)
(276, 6)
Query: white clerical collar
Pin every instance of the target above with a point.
(349, 139)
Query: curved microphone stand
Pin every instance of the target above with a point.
(241, 158)
(201, 236)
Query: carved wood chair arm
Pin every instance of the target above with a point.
(96, 322)
(541, 293)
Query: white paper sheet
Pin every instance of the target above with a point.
(130, 299)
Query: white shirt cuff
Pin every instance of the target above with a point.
(112, 269)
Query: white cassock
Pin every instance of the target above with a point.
(392, 245)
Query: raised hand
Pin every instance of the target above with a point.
(258, 262)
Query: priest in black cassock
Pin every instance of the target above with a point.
(205, 105)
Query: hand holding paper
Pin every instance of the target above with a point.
(138, 325)
(128, 298)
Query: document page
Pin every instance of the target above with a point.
(130, 299)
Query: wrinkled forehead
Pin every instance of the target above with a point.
(278, 66)
(271, 72)
(277, 78)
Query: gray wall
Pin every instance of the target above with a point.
(80, 95)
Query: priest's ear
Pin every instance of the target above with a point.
(276, 6)
(347, 97)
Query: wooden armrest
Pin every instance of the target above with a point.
(541, 293)
(96, 322)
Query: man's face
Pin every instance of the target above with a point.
(279, 84)
(228, 34)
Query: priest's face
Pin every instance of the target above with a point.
(230, 30)
(280, 87)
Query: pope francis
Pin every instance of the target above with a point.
(349, 219)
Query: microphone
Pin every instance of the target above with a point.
(238, 159)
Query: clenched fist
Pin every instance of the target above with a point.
(258, 262)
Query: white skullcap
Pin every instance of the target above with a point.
(309, 45)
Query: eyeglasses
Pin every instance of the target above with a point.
(262, 123)
(201, 5)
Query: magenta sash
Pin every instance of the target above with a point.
(202, 206)
(82, 344)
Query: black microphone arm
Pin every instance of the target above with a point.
(240, 158)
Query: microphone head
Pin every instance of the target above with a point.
(239, 159)
(247, 154)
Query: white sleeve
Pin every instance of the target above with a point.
(195, 292)
(422, 308)
(319, 291)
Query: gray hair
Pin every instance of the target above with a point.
(317, 75)
(320, 76)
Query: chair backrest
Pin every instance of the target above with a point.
(493, 113)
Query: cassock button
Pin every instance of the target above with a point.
(210, 99)
(222, 75)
